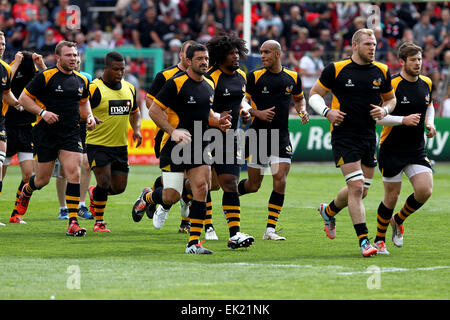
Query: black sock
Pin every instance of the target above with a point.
(232, 211)
(155, 197)
(384, 215)
(197, 212)
(361, 231)
(241, 187)
(275, 204)
(208, 216)
(100, 199)
(411, 205)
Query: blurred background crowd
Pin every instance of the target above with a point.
(311, 34)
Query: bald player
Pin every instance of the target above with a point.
(270, 91)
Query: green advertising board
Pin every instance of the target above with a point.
(311, 142)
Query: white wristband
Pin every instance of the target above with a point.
(42, 113)
(318, 104)
(386, 109)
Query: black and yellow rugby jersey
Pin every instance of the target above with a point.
(59, 93)
(5, 75)
(161, 78)
(113, 105)
(13, 116)
(412, 97)
(159, 81)
(229, 91)
(354, 87)
(266, 90)
(186, 101)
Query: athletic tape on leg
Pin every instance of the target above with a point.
(356, 175)
(173, 180)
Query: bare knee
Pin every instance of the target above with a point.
(170, 196)
(422, 194)
(252, 186)
(356, 189)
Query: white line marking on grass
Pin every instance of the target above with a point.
(393, 269)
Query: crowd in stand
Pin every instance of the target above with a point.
(311, 34)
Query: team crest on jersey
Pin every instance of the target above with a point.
(289, 89)
(405, 100)
(226, 93)
(349, 83)
(376, 83)
(265, 90)
(119, 107)
(59, 89)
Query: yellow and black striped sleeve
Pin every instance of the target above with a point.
(94, 95)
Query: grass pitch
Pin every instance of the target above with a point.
(135, 261)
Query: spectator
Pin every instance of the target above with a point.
(300, 45)
(315, 24)
(430, 66)
(37, 27)
(167, 28)
(48, 49)
(393, 63)
(346, 52)
(144, 33)
(272, 34)
(408, 36)
(171, 58)
(394, 27)
(118, 39)
(358, 23)
(59, 15)
(382, 45)
(408, 13)
(422, 29)
(328, 45)
(268, 18)
(291, 25)
(97, 40)
(171, 7)
(443, 26)
(134, 12)
(209, 25)
(346, 11)
(80, 39)
(18, 36)
(24, 10)
(310, 67)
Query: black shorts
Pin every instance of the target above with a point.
(189, 157)
(100, 156)
(2, 129)
(260, 151)
(158, 139)
(48, 143)
(229, 159)
(351, 149)
(20, 139)
(392, 163)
